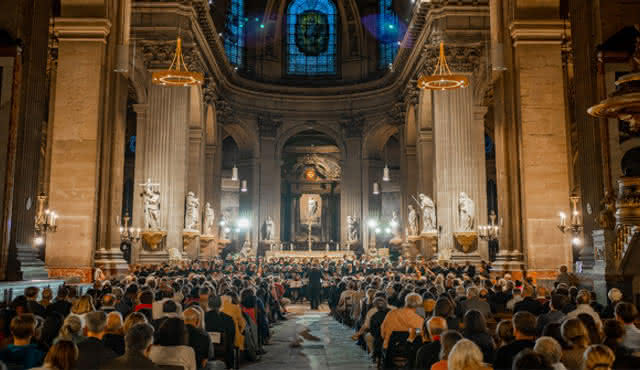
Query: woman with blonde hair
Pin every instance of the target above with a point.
(71, 330)
(82, 306)
(576, 337)
(133, 319)
(61, 356)
(113, 333)
(466, 355)
(598, 357)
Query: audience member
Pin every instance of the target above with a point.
(577, 339)
(626, 313)
(551, 350)
(524, 331)
(448, 341)
(171, 346)
(138, 342)
(61, 356)
(93, 352)
(598, 357)
(466, 355)
(114, 333)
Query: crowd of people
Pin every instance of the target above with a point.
(405, 314)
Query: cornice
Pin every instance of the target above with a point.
(82, 29)
(539, 31)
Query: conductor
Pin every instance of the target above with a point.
(315, 285)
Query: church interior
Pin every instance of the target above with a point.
(141, 132)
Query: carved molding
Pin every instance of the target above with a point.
(397, 113)
(159, 54)
(460, 58)
(209, 93)
(224, 112)
(325, 166)
(267, 125)
(353, 125)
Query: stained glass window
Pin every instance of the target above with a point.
(311, 37)
(388, 34)
(234, 32)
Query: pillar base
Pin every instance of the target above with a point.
(208, 247)
(111, 262)
(509, 262)
(71, 275)
(153, 257)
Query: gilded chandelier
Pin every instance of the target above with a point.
(442, 78)
(177, 74)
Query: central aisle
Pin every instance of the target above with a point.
(335, 350)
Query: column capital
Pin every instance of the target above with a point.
(140, 108)
(479, 111)
(538, 31)
(82, 29)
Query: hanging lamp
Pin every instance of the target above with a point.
(234, 173)
(442, 78)
(243, 187)
(376, 188)
(178, 74)
(385, 174)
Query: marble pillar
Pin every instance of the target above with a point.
(211, 187)
(137, 218)
(424, 144)
(460, 167)
(351, 187)
(164, 160)
(75, 145)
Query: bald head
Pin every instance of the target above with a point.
(436, 326)
(191, 317)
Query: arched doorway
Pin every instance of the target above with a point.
(310, 191)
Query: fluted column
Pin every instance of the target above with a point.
(459, 153)
(269, 185)
(351, 187)
(164, 156)
(424, 144)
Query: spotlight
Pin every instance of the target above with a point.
(243, 223)
(38, 240)
(223, 222)
(576, 241)
(378, 230)
(372, 223)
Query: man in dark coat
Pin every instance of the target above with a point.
(61, 305)
(524, 328)
(315, 286)
(92, 352)
(429, 353)
(220, 322)
(138, 342)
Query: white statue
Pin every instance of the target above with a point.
(312, 209)
(466, 211)
(428, 213)
(151, 205)
(412, 221)
(209, 219)
(191, 216)
(268, 229)
(352, 229)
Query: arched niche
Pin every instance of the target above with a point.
(284, 136)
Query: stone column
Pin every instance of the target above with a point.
(211, 187)
(165, 161)
(351, 187)
(75, 145)
(542, 136)
(248, 170)
(269, 184)
(424, 145)
(137, 218)
(459, 154)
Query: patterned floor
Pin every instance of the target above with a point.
(335, 350)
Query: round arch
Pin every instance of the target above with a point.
(377, 138)
(245, 138)
(284, 136)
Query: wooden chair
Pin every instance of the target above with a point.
(222, 347)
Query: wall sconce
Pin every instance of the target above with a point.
(128, 234)
(575, 225)
(489, 232)
(45, 220)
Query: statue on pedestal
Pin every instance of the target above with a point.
(352, 229)
(395, 224)
(466, 211)
(209, 219)
(268, 229)
(224, 227)
(192, 212)
(312, 209)
(428, 214)
(412, 221)
(151, 205)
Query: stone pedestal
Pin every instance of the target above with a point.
(208, 246)
(191, 244)
(430, 245)
(111, 261)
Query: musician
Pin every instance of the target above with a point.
(315, 285)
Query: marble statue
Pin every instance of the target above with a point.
(174, 255)
(151, 205)
(312, 209)
(192, 212)
(268, 229)
(428, 213)
(209, 219)
(352, 229)
(412, 221)
(466, 211)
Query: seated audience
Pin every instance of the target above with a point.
(466, 355)
(429, 353)
(475, 329)
(198, 339)
(524, 331)
(403, 319)
(626, 314)
(613, 333)
(598, 357)
(114, 333)
(448, 340)
(551, 350)
(577, 339)
(528, 359)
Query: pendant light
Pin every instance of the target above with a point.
(234, 173)
(385, 171)
(376, 188)
(243, 187)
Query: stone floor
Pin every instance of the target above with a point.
(334, 350)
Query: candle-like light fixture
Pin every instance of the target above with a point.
(128, 234)
(575, 223)
(491, 231)
(45, 220)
